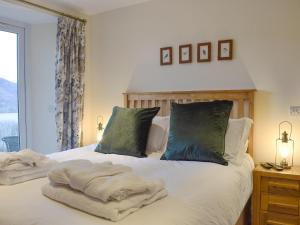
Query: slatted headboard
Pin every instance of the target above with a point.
(243, 102)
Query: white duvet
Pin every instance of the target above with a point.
(199, 194)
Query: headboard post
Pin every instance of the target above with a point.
(243, 102)
(251, 115)
(125, 96)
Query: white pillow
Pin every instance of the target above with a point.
(158, 134)
(236, 138)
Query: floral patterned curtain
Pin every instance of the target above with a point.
(69, 82)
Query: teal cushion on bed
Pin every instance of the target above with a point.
(127, 131)
(197, 131)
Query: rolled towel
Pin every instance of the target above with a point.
(103, 181)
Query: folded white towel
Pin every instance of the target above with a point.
(11, 179)
(18, 167)
(103, 181)
(121, 186)
(112, 210)
(24, 159)
(83, 171)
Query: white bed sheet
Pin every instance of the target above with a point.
(199, 194)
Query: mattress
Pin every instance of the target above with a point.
(199, 193)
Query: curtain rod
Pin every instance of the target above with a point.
(50, 10)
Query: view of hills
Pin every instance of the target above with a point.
(8, 96)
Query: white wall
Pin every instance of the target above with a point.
(125, 56)
(40, 87)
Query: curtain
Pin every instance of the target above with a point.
(69, 82)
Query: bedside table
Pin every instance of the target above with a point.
(276, 196)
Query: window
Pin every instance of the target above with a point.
(12, 88)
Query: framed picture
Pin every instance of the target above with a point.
(166, 56)
(185, 54)
(225, 48)
(204, 52)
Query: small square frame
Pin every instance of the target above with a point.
(181, 49)
(221, 56)
(170, 61)
(199, 47)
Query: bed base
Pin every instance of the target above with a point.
(245, 217)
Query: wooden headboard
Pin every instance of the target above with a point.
(243, 102)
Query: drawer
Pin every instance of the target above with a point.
(280, 204)
(267, 218)
(280, 186)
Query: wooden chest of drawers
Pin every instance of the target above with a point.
(276, 197)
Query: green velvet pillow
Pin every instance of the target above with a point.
(127, 131)
(197, 131)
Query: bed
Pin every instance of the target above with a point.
(194, 196)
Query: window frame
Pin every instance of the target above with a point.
(17, 28)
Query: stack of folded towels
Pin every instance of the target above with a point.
(106, 190)
(18, 167)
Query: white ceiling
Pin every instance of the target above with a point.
(23, 14)
(91, 7)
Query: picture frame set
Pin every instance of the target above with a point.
(225, 52)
